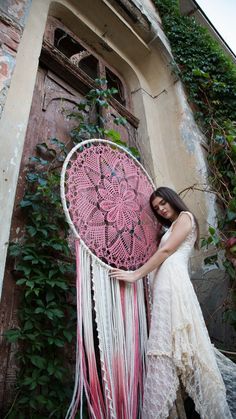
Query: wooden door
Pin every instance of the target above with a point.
(52, 100)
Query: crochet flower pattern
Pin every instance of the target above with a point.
(119, 202)
(108, 196)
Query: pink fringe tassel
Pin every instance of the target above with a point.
(127, 385)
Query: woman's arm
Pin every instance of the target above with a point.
(179, 233)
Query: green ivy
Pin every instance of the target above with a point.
(92, 123)
(44, 269)
(45, 272)
(209, 77)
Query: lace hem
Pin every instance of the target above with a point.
(155, 404)
(186, 355)
(204, 384)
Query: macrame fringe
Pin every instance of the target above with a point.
(112, 386)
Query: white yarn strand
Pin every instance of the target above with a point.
(142, 323)
(103, 309)
(78, 353)
(87, 305)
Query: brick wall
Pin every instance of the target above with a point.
(13, 14)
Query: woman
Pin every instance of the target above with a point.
(179, 350)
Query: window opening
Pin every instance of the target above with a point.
(90, 66)
(87, 62)
(77, 54)
(114, 81)
(66, 44)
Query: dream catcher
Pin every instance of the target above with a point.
(105, 194)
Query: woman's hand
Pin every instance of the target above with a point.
(126, 276)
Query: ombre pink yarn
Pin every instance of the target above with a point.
(108, 200)
(105, 195)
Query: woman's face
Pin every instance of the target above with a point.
(164, 209)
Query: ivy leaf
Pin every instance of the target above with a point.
(13, 335)
(232, 205)
(32, 177)
(68, 335)
(28, 381)
(60, 284)
(59, 343)
(200, 73)
(25, 203)
(231, 215)
(114, 135)
(59, 374)
(21, 281)
(15, 249)
(135, 152)
(42, 182)
(50, 296)
(100, 82)
(211, 230)
(28, 325)
(120, 120)
(31, 230)
(38, 361)
(24, 268)
(38, 160)
(102, 103)
(39, 310)
(54, 313)
(58, 143)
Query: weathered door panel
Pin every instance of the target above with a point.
(52, 100)
(128, 132)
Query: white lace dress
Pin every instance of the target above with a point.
(179, 345)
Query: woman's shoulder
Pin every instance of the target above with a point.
(187, 214)
(183, 217)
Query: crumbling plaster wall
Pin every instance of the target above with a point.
(13, 15)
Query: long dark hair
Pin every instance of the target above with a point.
(176, 203)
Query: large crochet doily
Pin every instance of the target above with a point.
(107, 197)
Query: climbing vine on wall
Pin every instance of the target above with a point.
(210, 80)
(45, 271)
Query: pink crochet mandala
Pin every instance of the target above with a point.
(107, 193)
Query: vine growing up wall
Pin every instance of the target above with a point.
(210, 80)
(45, 272)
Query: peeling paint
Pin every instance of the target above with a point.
(189, 131)
(188, 135)
(10, 34)
(16, 9)
(7, 63)
(192, 139)
(12, 162)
